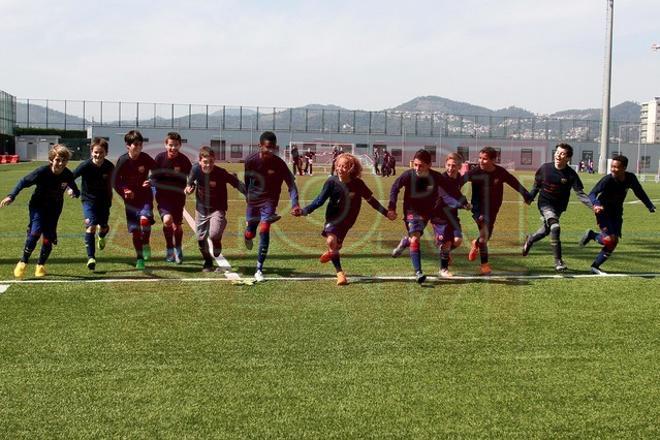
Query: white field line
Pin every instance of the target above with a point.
(3, 288)
(220, 259)
(510, 277)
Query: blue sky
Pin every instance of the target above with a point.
(542, 55)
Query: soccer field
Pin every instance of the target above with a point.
(174, 353)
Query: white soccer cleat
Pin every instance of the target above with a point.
(444, 273)
(259, 276)
(597, 271)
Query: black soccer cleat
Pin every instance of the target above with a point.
(587, 237)
(560, 266)
(420, 277)
(527, 246)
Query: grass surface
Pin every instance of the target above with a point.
(377, 359)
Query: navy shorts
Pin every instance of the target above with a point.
(610, 225)
(446, 231)
(43, 222)
(173, 208)
(483, 221)
(259, 213)
(415, 223)
(134, 212)
(340, 231)
(96, 213)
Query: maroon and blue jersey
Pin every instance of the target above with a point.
(49, 192)
(488, 190)
(264, 178)
(452, 185)
(610, 193)
(421, 193)
(131, 173)
(554, 187)
(211, 188)
(170, 176)
(96, 181)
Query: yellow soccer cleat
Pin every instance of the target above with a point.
(40, 271)
(341, 279)
(19, 270)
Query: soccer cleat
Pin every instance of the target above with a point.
(248, 243)
(178, 255)
(560, 266)
(597, 271)
(169, 255)
(139, 264)
(100, 243)
(146, 252)
(208, 266)
(474, 251)
(91, 264)
(485, 269)
(273, 218)
(40, 271)
(19, 270)
(444, 273)
(420, 277)
(327, 256)
(341, 278)
(258, 276)
(527, 246)
(587, 237)
(398, 250)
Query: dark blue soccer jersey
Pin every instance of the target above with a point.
(96, 181)
(264, 178)
(610, 193)
(554, 187)
(211, 189)
(50, 187)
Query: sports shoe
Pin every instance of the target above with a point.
(485, 269)
(273, 218)
(146, 252)
(91, 264)
(398, 250)
(258, 276)
(597, 271)
(420, 277)
(40, 271)
(208, 266)
(100, 242)
(474, 251)
(341, 278)
(527, 246)
(325, 257)
(178, 255)
(139, 264)
(19, 270)
(560, 266)
(587, 237)
(444, 273)
(169, 255)
(248, 243)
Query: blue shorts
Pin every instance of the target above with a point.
(172, 208)
(610, 225)
(485, 222)
(259, 213)
(134, 212)
(446, 231)
(43, 222)
(415, 223)
(96, 213)
(340, 231)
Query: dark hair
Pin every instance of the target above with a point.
(423, 155)
(173, 135)
(99, 142)
(455, 156)
(132, 137)
(621, 158)
(566, 147)
(490, 152)
(206, 151)
(268, 136)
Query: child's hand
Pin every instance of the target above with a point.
(598, 209)
(391, 214)
(6, 202)
(146, 184)
(297, 211)
(70, 193)
(128, 194)
(189, 189)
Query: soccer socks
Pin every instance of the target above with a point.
(46, 248)
(30, 244)
(178, 236)
(137, 243)
(145, 234)
(555, 242)
(540, 234)
(602, 256)
(168, 232)
(336, 261)
(264, 241)
(89, 244)
(416, 255)
(483, 251)
(444, 258)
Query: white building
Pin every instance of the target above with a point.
(649, 120)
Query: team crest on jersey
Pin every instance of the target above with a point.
(141, 169)
(63, 185)
(564, 180)
(271, 171)
(212, 183)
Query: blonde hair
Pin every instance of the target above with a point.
(355, 167)
(59, 150)
(457, 157)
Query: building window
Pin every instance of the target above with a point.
(645, 162)
(431, 149)
(236, 151)
(398, 155)
(526, 156)
(464, 152)
(362, 146)
(498, 158)
(587, 155)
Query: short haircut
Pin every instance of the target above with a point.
(206, 151)
(355, 167)
(99, 142)
(268, 136)
(566, 147)
(133, 137)
(173, 135)
(490, 152)
(621, 158)
(59, 150)
(455, 156)
(423, 155)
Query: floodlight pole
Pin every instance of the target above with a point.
(605, 118)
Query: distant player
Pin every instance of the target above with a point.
(133, 186)
(422, 189)
(296, 166)
(553, 182)
(209, 183)
(169, 177)
(345, 192)
(607, 197)
(336, 151)
(45, 206)
(309, 162)
(488, 181)
(264, 174)
(96, 174)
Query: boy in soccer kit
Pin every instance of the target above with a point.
(133, 185)
(345, 192)
(553, 182)
(488, 181)
(423, 187)
(96, 196)
(169, 178)
(264, 174)
(607, 197)
(210, 185)
(45, 206)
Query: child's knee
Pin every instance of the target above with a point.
(264, 227)
(610, 242)
(145, 222)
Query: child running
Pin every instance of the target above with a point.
(96, 173)
(45, 206)
(345, 192)
(607, 197)
(210, 185)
